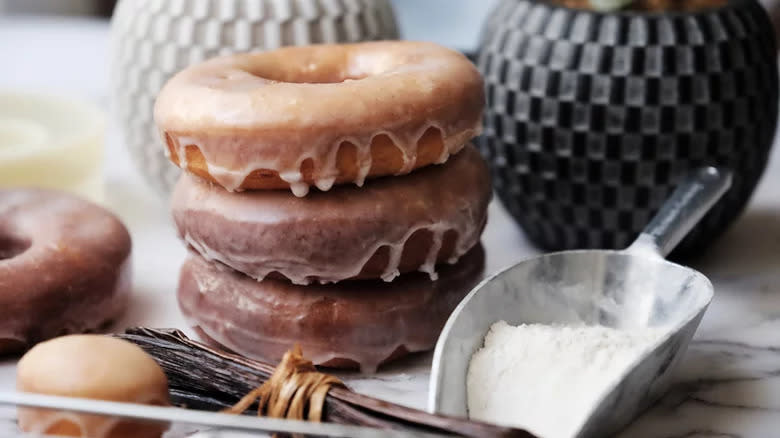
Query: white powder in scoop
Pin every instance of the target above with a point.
(546, 378)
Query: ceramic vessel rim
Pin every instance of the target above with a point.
(730, 4)
(584, 252)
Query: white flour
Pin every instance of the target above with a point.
(546, 378)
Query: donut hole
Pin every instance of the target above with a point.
(313, 74)
(333, 78)
(11, 246)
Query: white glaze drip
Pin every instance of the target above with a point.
(272, 110)
(229, 167)
(261, 265)
(264, 232)
(365, 161)
(299, 189)
(166, 150)
(429, 267)
(394, 261)
(325, 184)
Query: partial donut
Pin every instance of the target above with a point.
(387, 228)
(320, 115)
(64, 266)
(346, 325)
(93, 367)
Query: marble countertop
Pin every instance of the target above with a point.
(729, 385)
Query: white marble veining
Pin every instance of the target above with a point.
(729, 385)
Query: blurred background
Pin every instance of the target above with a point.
(114, 69)
(58, 7)
(452, 22)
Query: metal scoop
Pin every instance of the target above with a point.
(630, 289)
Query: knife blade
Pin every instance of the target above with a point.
(228, 422)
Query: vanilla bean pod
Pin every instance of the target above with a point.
(202, 377)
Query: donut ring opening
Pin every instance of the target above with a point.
(318, 66)
(321, 64)
(12, 246)
(315, 76)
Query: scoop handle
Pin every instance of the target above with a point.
(692, 199)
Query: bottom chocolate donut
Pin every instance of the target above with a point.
(354, 324)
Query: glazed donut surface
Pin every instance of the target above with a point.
(320, 115)
(349, 324)
(92, 367)
(64, 266)
(387, 228)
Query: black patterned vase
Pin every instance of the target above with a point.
(593, 118)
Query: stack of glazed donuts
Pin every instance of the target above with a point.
(331, 197)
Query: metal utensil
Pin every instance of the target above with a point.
(224, 422)
(632, 288)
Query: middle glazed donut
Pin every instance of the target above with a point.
(320, 115)
(389, 227)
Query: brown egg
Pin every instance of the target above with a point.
(94, 367)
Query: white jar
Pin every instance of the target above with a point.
(154, 39)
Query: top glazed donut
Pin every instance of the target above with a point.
(320, 115)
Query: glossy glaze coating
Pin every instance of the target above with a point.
(354, 323)
(64, 266)
(388, 227)
(94, 367)
(320, 115)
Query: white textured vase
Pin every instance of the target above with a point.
(154, 39)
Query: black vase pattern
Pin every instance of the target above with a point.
(593, 118)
